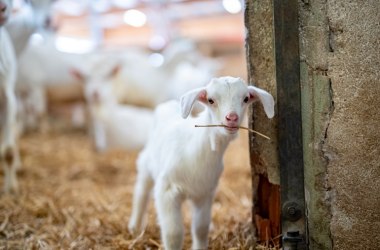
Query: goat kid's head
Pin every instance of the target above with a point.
(5, 10)
(98, 87)
(227, 98)
(41, 10)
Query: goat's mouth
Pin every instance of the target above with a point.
(4, 16)
(231, 129)
(3, 19)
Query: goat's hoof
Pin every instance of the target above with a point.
(9, 156)
(11, 189)
(134, 230)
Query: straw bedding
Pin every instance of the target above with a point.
(74, 198)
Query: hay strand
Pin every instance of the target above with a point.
(241, 127)
(155, 243)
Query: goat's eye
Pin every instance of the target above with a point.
(211, 101)
(246, 99)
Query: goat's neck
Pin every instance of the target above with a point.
(104, 105)
(100, 110)
(1, 34)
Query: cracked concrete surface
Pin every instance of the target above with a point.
(353, 138)
(341, 90)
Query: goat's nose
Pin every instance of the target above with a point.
(95, 96)
(232, 117)
(47, 22)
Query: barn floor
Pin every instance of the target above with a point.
(74, 198)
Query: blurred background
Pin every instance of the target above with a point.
(85, 67)
(216, 26)
(175, 45)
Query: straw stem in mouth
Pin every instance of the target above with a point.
(241, 127)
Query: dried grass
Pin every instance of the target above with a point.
(240, 127)
(74, 198)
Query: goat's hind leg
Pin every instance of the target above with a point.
(143, 187)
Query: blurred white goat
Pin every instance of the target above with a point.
(114, 125)
(45, 72)
(183, 162)
(33, 16)
(9, 153)
(184, 68)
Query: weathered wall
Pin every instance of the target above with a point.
(340, 65)
(352, 145)
(341, 93)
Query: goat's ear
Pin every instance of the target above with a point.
(188, 99)
(114, 71)
(265, 98)
(77, 74)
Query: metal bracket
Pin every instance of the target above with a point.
(293, 238)
(292, 211)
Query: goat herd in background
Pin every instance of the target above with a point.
(128, 100)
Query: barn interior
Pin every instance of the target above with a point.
(74, 194)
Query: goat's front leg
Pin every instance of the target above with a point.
(9, 150)
(201, 222)
(100, 138)
(10, 175)
(168, 204)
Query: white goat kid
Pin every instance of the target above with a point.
(183, 162)
(8, 151)
(114, 125)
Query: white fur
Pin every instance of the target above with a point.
(33, 16)
(40, 79)
(114, 125)
(9, 153)
(183, 162)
